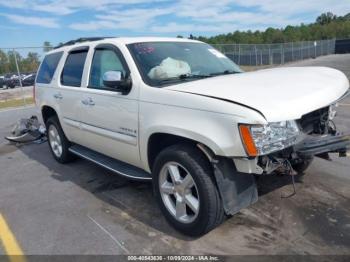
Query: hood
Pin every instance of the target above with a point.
(278, 94)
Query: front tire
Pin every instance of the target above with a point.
(301, 166)
(58, 142)
(186, 191)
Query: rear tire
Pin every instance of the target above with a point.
(58, 142)
(186, 191)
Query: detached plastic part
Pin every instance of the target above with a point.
(27, 130)
(319, 145)
(237, 190)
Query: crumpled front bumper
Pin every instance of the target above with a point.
(314, 145)
(310, 145)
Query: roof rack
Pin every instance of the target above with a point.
(81, 40)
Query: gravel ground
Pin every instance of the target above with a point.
(83, 209)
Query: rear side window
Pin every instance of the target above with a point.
(73, 69)
(48, 68)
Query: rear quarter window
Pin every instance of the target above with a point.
(48, 68)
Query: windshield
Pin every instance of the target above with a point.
(165, 63)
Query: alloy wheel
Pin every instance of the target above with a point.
(55, 141)
(179, 192)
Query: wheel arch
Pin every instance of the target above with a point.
(237, 190)
(160, 140)
(47, 112)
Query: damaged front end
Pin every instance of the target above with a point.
(318, 137)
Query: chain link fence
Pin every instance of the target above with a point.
(15, 62)
(27, 59)
(273, 54)
(18, 66)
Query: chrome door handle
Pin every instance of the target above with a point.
(88, 102)
(91, 102)
(85, 102)
(58, 96)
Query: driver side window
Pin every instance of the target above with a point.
(104, 60)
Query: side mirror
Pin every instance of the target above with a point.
(116, 81)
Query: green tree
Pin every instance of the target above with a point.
(31, 62)
(12, 61)
(326, 26)
(3, 63)
(326, 18)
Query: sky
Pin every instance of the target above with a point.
(31, 22)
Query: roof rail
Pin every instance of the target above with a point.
(81, 40)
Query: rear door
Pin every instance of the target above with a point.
(69, 93)
(109, 118)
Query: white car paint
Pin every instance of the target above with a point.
(274, 92)
(199, 110)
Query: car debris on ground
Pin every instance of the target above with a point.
(28, 130)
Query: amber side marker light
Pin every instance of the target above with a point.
(248, 141)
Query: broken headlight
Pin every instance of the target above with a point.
(266, 139)
(332, 111)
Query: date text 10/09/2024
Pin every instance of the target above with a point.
(173, 258)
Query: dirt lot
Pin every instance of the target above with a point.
(83, 209)
(16, 93)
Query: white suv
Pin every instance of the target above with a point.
(180, 113)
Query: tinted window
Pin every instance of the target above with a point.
(73, 69)
(104, 60)
(48, 68)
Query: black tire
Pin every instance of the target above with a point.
(301, 167)
(211, 212)
(66, 156)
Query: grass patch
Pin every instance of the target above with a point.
(16, 102)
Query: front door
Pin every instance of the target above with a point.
(109, 118)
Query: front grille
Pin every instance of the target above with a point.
(315, 122)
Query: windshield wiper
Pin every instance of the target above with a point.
(226, 72)
(187, 76)
(183, 77)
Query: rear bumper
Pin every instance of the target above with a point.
(315, 145)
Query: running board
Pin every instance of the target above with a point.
(111, 164)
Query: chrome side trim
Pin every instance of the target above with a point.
(116, 135)
(71, 122)
(108, 167)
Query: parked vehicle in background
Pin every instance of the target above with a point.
(181, 114)
(28, 80)
(12, 82)
(2, 82)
